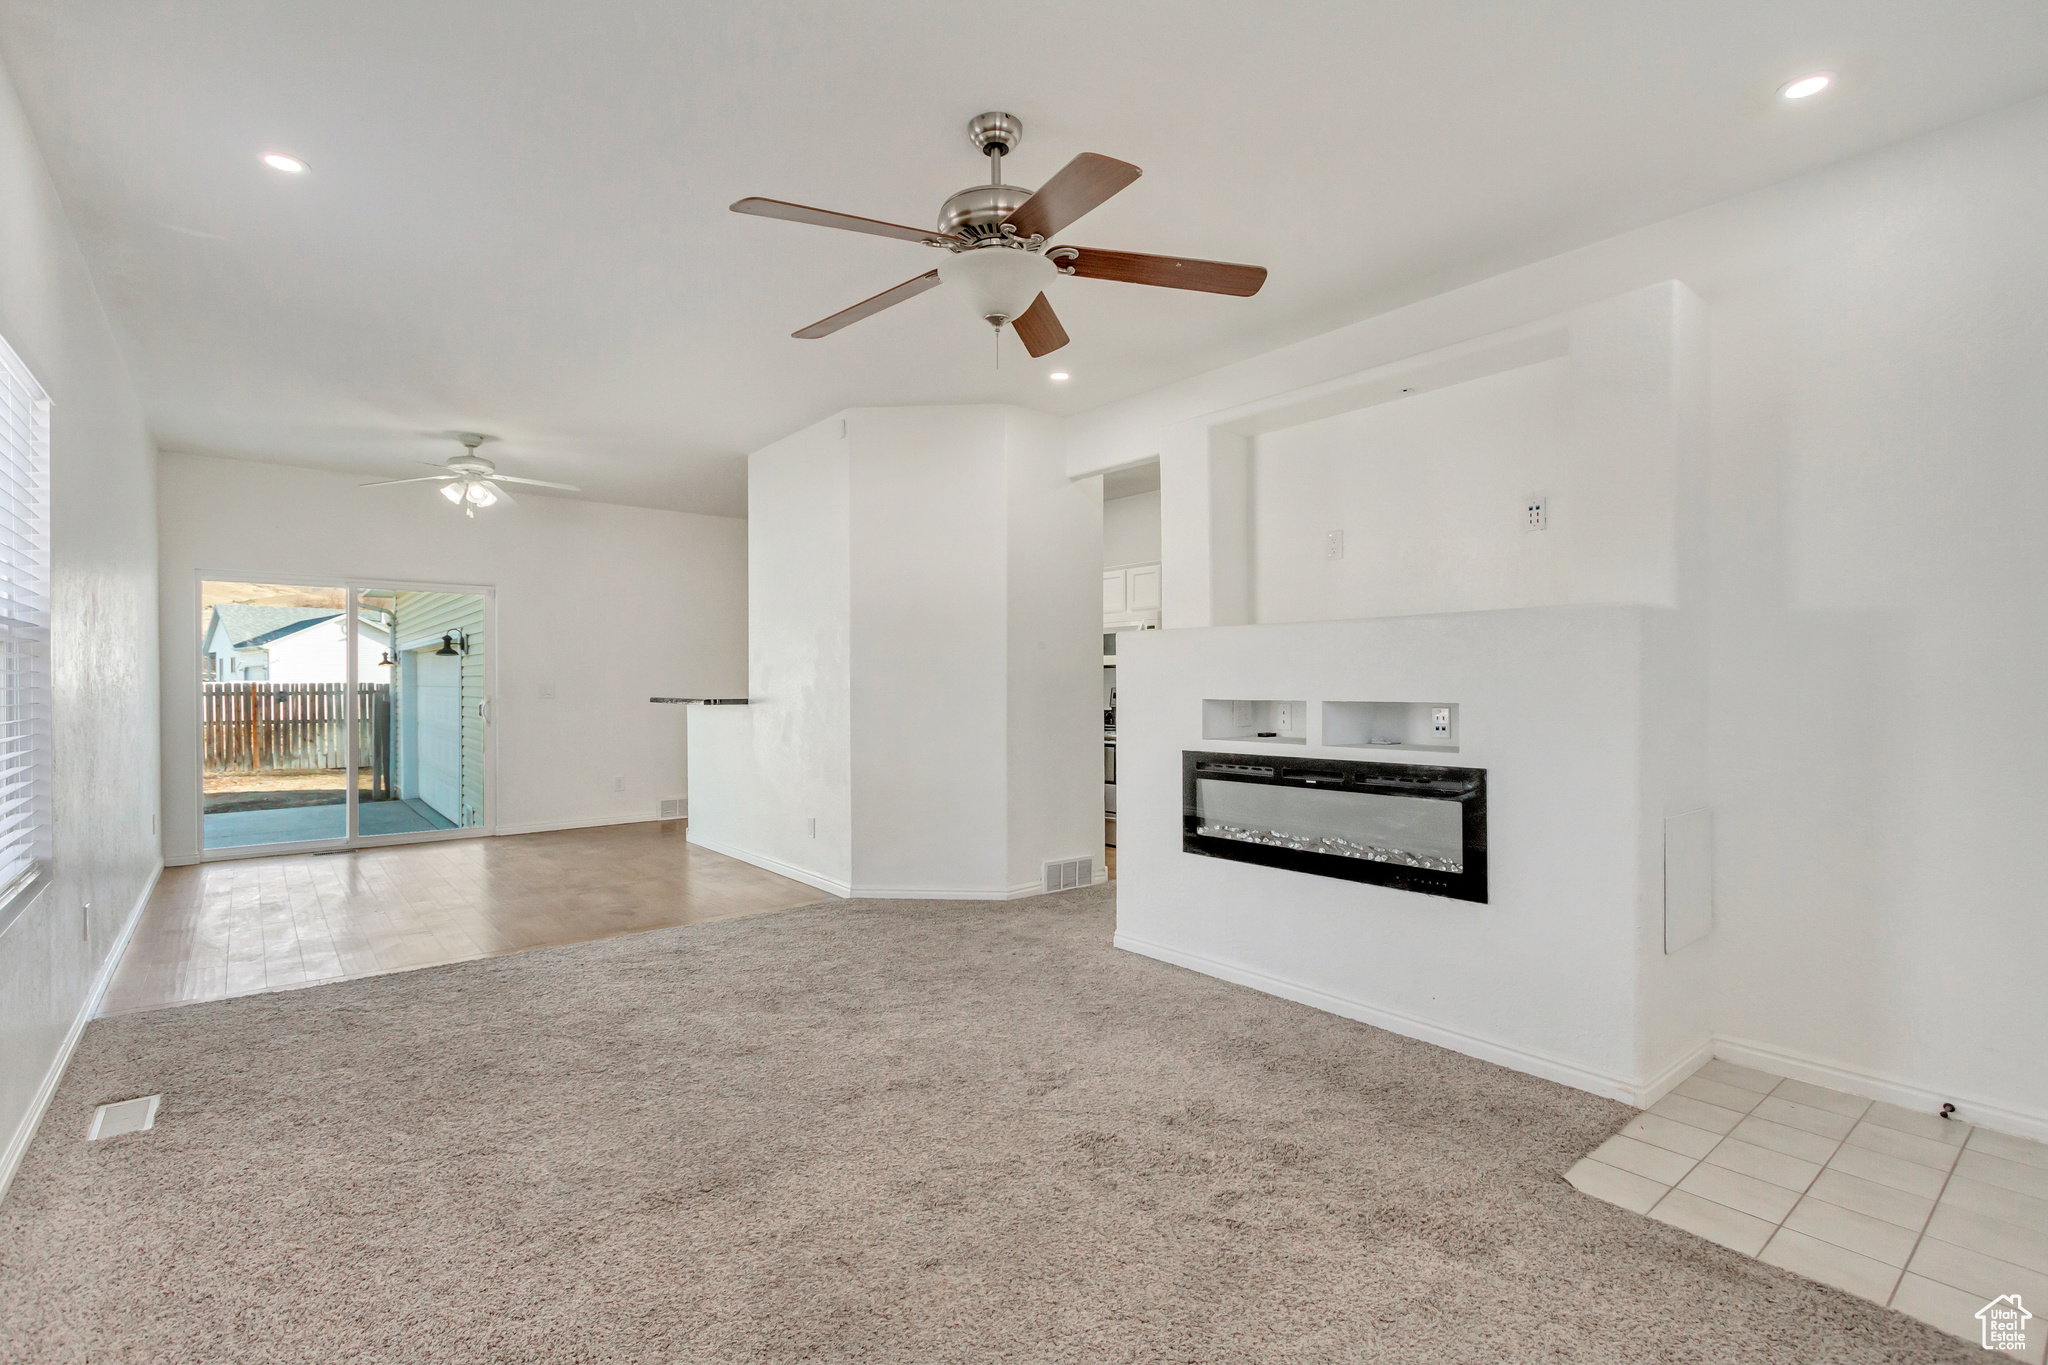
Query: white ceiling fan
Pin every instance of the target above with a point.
(472, 481)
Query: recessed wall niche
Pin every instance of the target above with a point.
(1257, 722)
(1431, 726)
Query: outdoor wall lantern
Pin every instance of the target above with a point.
(448, 646)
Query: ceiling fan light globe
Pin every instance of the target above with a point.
(998, 282)
(452, 491)
(481, 496)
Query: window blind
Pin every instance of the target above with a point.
(24, 633)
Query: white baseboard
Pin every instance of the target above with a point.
(1472, 1045)
(581, 822)
(768, 864)
(2026, 1123)
(1667, 1080)
(948, 893)
(1643, 1093)
(25, 1131)
(874, 893)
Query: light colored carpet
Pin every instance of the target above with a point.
(896, 1131)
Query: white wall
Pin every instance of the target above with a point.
(103, 659)
(1054, 654)
(1130, 530)
(775, 778)
(1428, 495)
(930, 647)
(927, 648)
(609, 605)
(1877, 451)
(1542, 976)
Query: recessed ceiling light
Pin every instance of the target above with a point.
(1059, 375)
(290, 165)
(1808, 85)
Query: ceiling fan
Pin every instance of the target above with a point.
(472, 481)
(997, 235)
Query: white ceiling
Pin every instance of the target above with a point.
(516, 217)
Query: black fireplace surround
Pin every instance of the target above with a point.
(1403, 825)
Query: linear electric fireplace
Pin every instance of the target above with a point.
(1402, 825)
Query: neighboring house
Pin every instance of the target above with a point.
(289, 645)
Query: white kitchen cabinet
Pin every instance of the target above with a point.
(1130, 590)
(1142, 590)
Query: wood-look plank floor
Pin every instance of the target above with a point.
(224, 929)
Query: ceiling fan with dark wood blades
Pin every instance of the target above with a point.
(996, 236)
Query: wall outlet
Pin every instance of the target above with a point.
(547, 691)
(1240, 713)
(1535, 512)
(1333, 545)
(1440, 720)
(1284, 713)
(618, 784)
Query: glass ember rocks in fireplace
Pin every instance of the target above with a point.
(1401, 830)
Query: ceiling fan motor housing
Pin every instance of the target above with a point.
(977, 213)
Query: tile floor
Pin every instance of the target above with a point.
(263, 924)
(1930, 1216)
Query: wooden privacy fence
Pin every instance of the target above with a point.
(267, 726)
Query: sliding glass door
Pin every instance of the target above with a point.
(273, 698)
(334, 715)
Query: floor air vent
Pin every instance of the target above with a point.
(1066, 875)
(673, 807)
(123, 1116)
